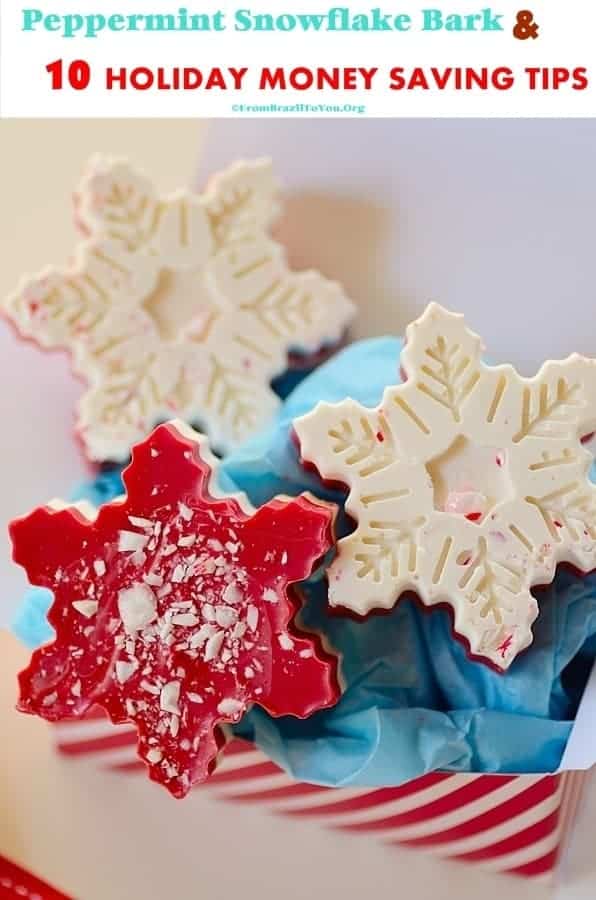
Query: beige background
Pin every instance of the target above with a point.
(108, 837)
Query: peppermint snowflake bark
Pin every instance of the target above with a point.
(171, 607)
(178, 305)
(468, 484)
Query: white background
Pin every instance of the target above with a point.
(566, 39)
(496, 219)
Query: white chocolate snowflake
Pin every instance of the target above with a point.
(178, 305)
(468, 484)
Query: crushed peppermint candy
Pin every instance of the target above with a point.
(124, 670)
(214, 645)
(238, 631)
(131, 541)
(168, 698)
(152, 579)
(230, 707)
(185, 512)
(252, 617)
(137, 607)
(139, 522)
(232, 594)
(191, 627)
(87, 608)
(225, 616)
(185, 620)
(179, 573)
(200, 637)
(285, 641)
(208, 611)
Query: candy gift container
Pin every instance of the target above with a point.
(375, 618)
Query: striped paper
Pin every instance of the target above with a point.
(514, 824)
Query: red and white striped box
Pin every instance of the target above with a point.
(510, 824)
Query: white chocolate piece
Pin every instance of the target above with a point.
(468, 483)
(178, 305)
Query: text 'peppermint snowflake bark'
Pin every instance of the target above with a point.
(179, 305)
(171, 607)
(469, 483)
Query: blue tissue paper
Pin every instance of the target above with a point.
(413, 702)
(29, 622)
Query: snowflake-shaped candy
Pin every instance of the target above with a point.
(178, 305)
(468, 485)
(171, 607)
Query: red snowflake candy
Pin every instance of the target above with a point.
(171, 608)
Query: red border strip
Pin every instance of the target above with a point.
(18, 884)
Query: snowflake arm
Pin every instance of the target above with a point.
(171, 608)
(299, 675)
(243, 198)
(305, 519)
(442, 368)
(232, 395)
(560, 401)
(50, 539)
(116, 201)
(132, 390)
(64, 307)
(345, 441)
(278, 305)
(290, 535)
(374, 564)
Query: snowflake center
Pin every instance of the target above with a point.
(181, 306)
(469, 480)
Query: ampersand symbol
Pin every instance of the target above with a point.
(526, 26)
